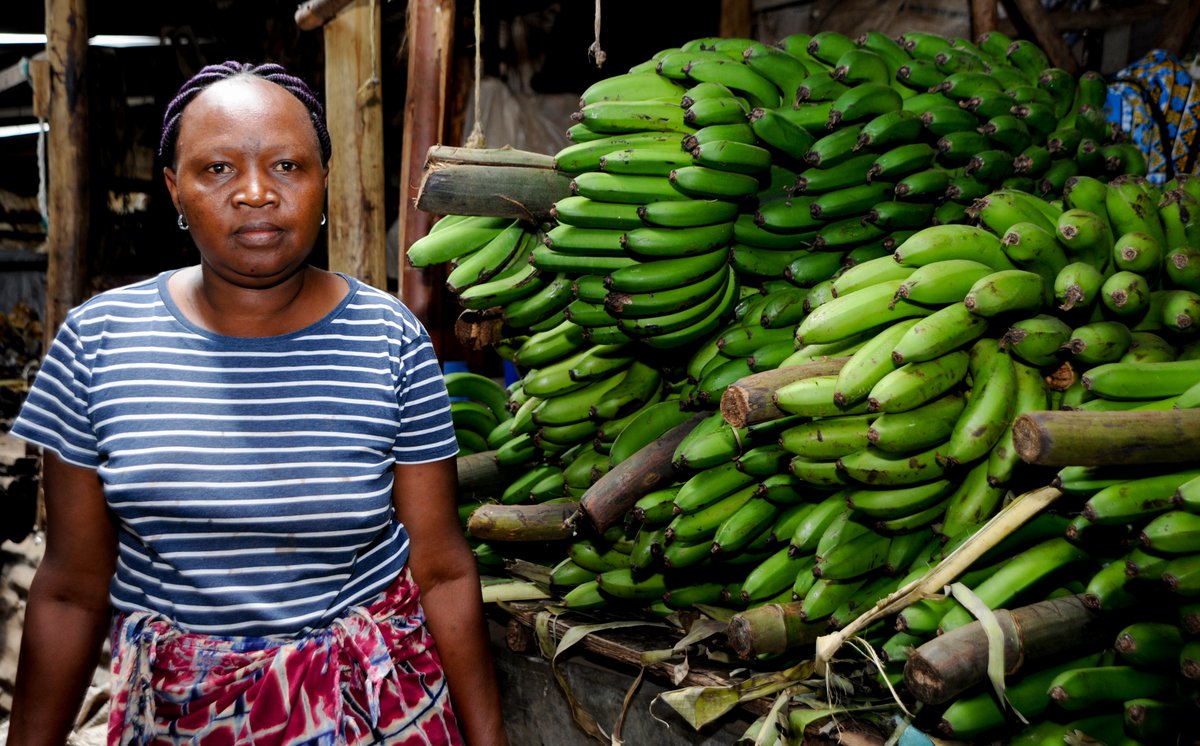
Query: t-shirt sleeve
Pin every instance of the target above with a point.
(55, 413)
(426, 431)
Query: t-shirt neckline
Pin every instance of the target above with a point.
(176, 312)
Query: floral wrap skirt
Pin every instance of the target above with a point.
(373, 676)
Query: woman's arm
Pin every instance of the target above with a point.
(68, 613)
(444, 568)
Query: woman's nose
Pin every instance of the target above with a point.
(254, 189)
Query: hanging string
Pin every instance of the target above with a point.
(476, 139)
(371, 85)
(594, 51)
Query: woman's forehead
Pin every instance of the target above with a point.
(244, 100)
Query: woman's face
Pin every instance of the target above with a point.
(249, 180)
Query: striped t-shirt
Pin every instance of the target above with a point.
(251, 477)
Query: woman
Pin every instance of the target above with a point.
(236, 456)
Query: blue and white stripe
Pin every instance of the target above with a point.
(251, 477)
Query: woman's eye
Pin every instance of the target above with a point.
(219, 168)
(287, 166)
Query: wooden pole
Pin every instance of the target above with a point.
(948, 665)
(430, 40)
(316, 13)
(983, 17)
(737, 19)
(1064, 438)
(69, 198)
(354, 108)
(1047, 36)
(1177, 24)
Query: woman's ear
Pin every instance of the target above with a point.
(172, 187)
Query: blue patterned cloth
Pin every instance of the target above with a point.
(1154, 101)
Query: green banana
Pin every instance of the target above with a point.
(816, 523)
(1077, 284)
(1008, 132)
(683, 214)
(1125, 294)
(827, 439)
(914, 384)
(1099, 342)
(1180, 310)
(649, 243)
(896, 502)
(949, 328)
(1131, 208)
(864, 274)
(1086, 237)
(778, 132)
(710, 111)
(847, 315)
(640, 305)
(863, 101)
(690, 528)
(631, 87)
(489, 260)
(854, 557)
(666, 274)
(742, 527)
(731, 155)
(1006, 291)
(624, 188)
(834, 148)
(896, 215)
(871, 466)
(1052, 557)
(1135, 499)
(1032, 247)
(947, 119)
(737, 76)
(597, 242)
(916, 429)
(772, 576)
(1085, 688)
(813, 397)
(549, 346)
(849, 201)
(710, 183)
(889, 129)
(457, 239)
(644, 161)
(867, 366)
(583, 212)
(955, 149)
(627, 117)
(1036, 340)
(1151, 380)
(941, 242)
(943, 281)
(738, 131)
(989, 410)
(902, 161)
(846, 174)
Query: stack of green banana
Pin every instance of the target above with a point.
(740, 208)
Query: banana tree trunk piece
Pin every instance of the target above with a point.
(1064, 438)
(541, 522)
(750, 400)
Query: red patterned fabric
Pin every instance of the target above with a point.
(371, 677)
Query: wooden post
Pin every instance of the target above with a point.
(1047, 36)
(354, 108)
(1177, 23)
(983, 17)
(430, 40)
(737, 19)
(68, 200)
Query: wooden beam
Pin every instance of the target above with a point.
(316, 13)
(430, 57)
(1178, 22)
(1107, 17)
(1047, 36)
(354, 108)
(737, 19)
(984, 17)
(68, 200)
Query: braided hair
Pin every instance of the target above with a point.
(216, 73)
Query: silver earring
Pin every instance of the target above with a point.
(322, 218)
(182, 222)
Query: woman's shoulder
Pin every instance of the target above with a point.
(367, 300)
(136, 293)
